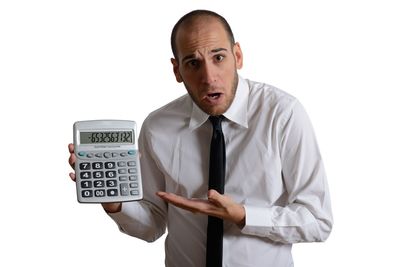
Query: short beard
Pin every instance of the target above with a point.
(233, 90)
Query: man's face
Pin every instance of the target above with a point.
(207, 64)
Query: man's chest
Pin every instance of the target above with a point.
(253, 167)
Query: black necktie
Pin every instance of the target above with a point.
(216, 181)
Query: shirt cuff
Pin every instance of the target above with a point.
(258, 220)
(123, 216)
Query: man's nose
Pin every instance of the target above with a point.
(209, 73)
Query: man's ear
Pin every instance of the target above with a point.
(237, 52)
(175, 66)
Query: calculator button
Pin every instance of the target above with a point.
(111, 183)
(110, 165)
(132, 163)
(99, 183)
(131, 152)
(98, 174)
(124, 189)
(134, 192)
(107, 155)
(121, 163)
(87, 193)
(97, 165)
(81, 153)
(99, 155)
(100, 193)
(123, 178)
(84, 166)
(112, 192)
(122, 171)
(133, 185)
(114, 154)
(111, 174)
(123, 154)
(132, 177)
(132, 171)
(86, 184)
(86, 175)
(90, 155)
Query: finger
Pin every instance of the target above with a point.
(212, 193)
(216, 198)
(229, 209)
(71, 148)
(174, 200)
(72, 176)
(193, 205)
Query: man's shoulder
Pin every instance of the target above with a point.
(269, 95)
(170, 113)
(177, 105)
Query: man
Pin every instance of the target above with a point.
(275, 190)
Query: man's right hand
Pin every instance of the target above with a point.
(108, 207)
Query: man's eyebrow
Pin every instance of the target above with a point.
(216, 50)
(188, 57)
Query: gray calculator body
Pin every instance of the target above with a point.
(107, 164)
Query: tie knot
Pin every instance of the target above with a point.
(216, 122)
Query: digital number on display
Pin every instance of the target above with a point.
(106, 137)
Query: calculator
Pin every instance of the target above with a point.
(107, 164)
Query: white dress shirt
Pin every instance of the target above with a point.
(273, 168)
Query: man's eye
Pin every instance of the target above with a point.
(193, 63)
(219, 57)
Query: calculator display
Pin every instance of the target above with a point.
(121, 137)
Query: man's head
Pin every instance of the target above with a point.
(206, 59)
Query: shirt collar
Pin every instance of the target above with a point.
(236, 113)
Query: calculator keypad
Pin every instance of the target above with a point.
(108, 176)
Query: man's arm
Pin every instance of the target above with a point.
(307, 216)
(145, 219)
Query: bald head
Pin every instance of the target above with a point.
(193, 17)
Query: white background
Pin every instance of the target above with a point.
(62, 61)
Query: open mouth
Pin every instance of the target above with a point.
(213, 96)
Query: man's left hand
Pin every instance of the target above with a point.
(216, 205)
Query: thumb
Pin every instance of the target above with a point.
(215, 197)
